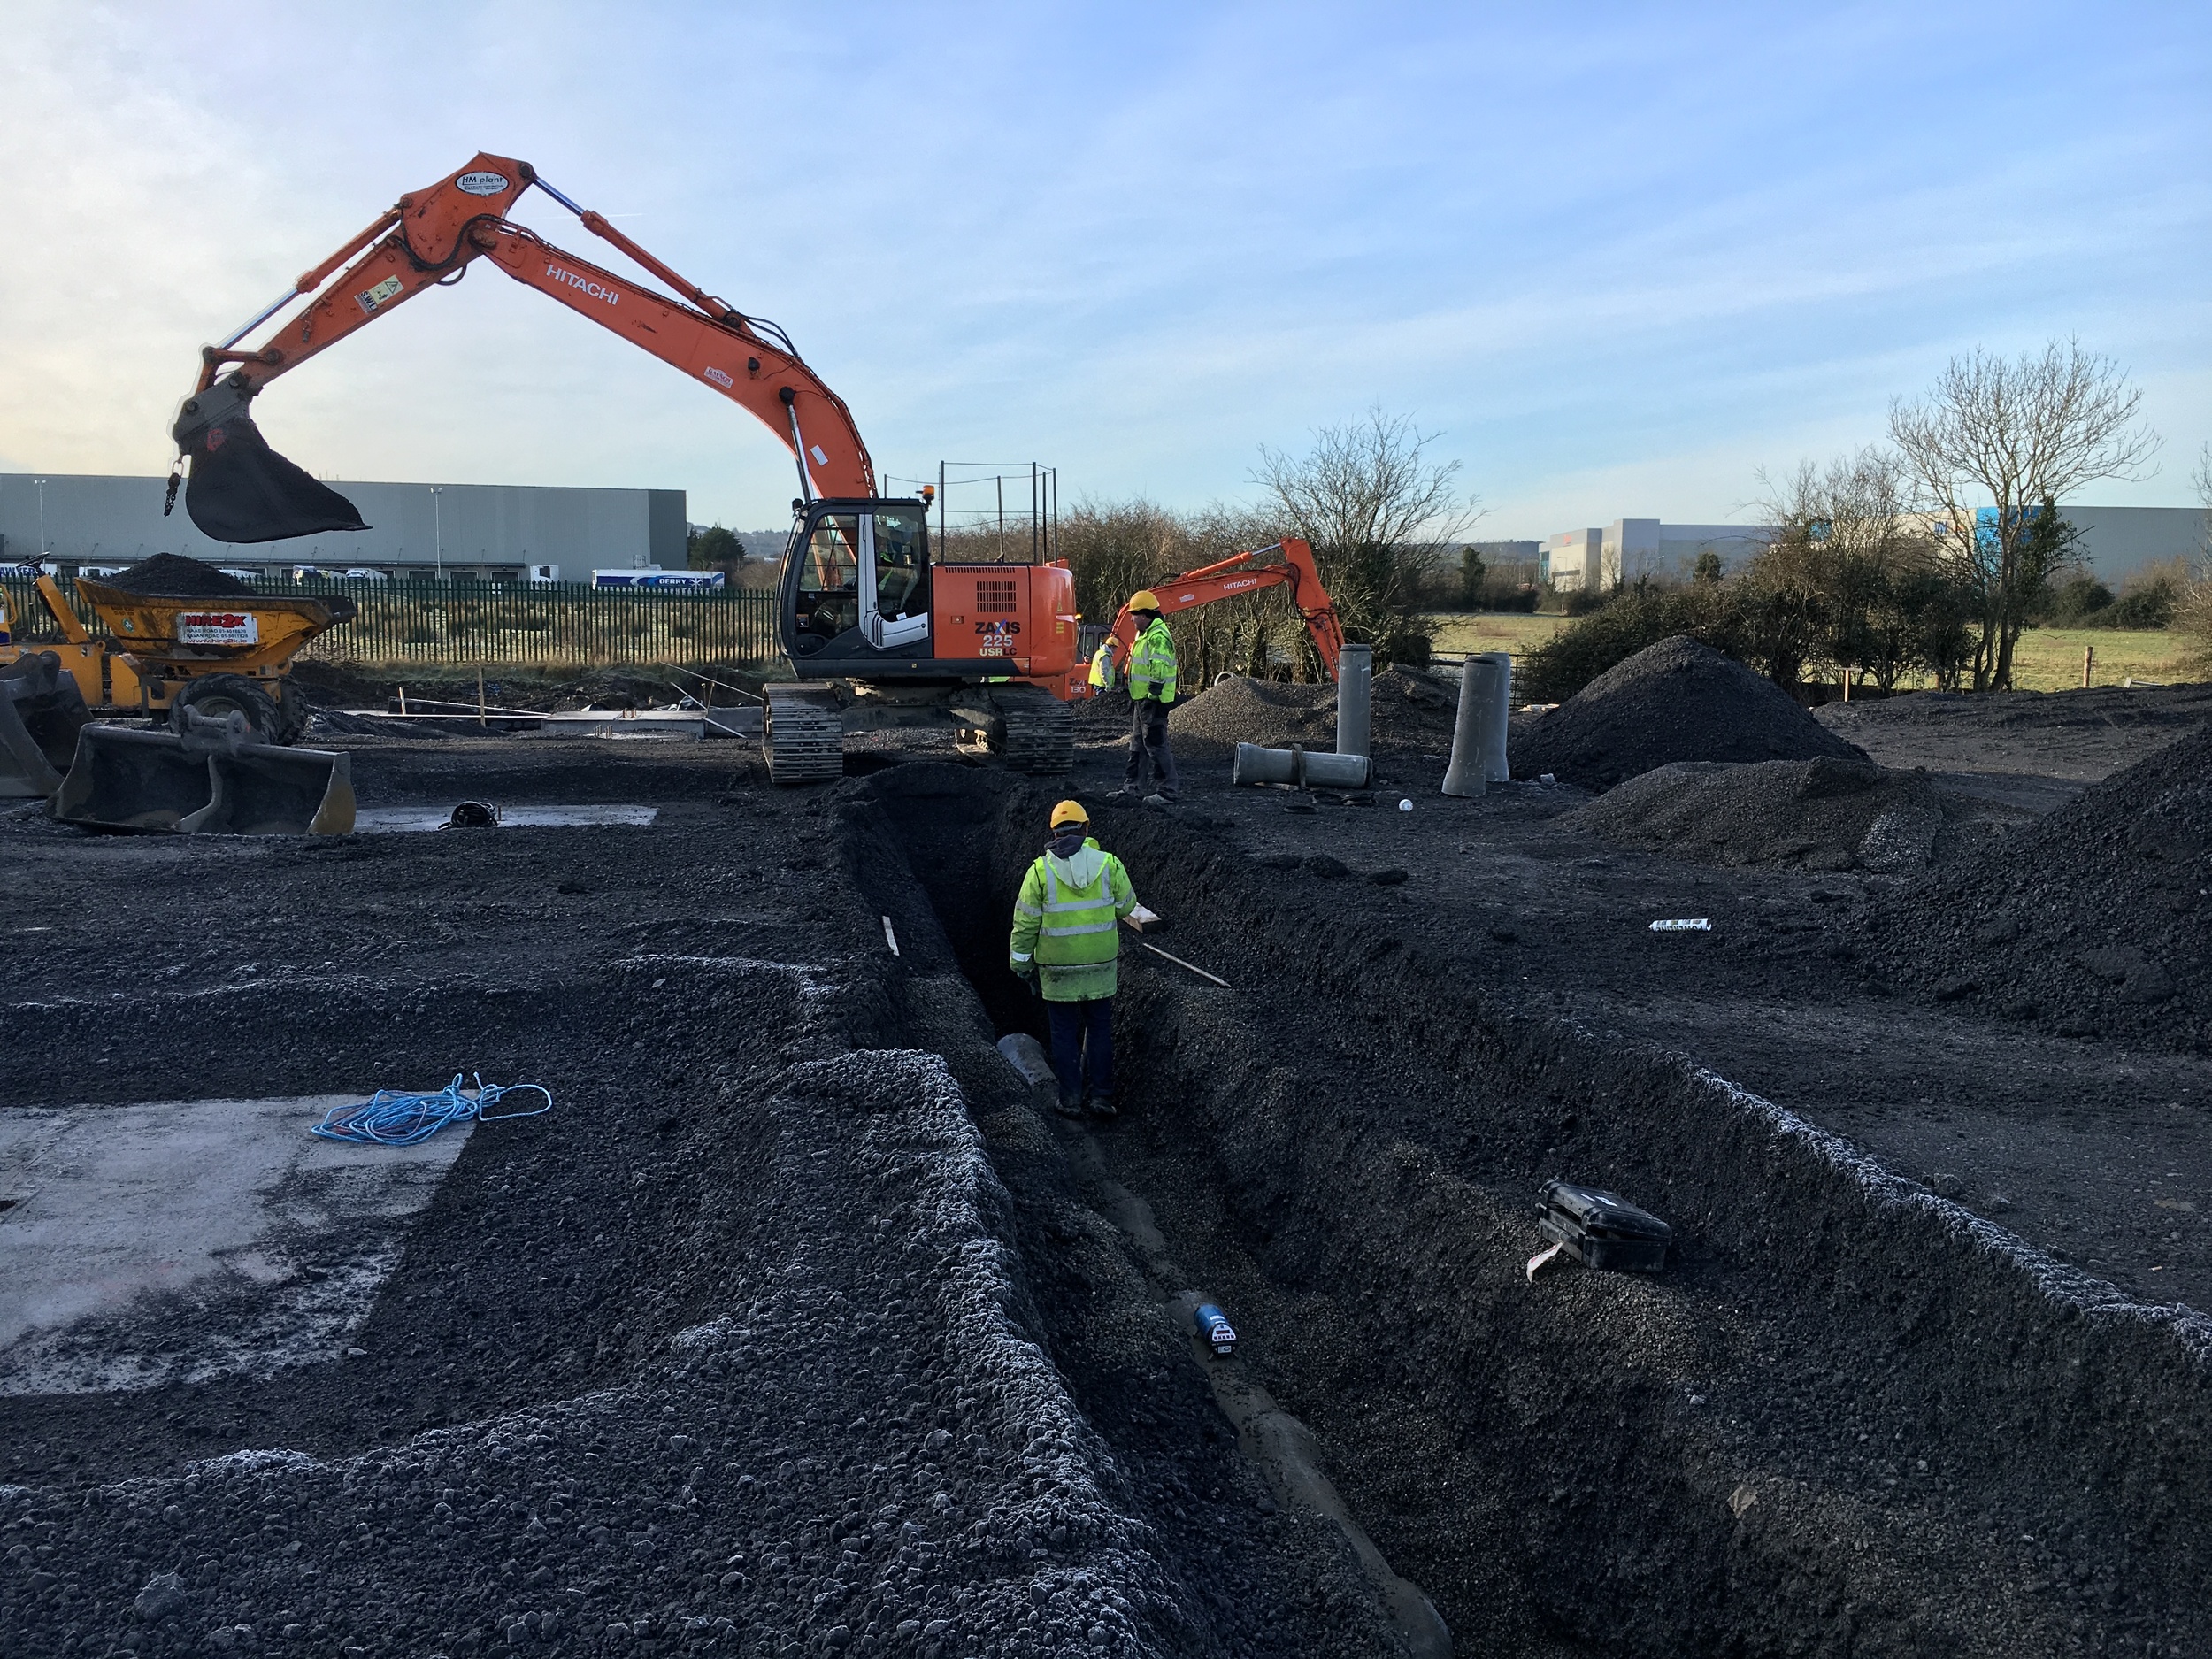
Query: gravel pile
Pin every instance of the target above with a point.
(1675, 701)
(1412, 710)
(1812, 814)
(173, 576)
(2092, 920)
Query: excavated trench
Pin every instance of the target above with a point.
(1849, 1417)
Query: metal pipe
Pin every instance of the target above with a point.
(1355, 699)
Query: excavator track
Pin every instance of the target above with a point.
(1033, 732)
(803, 734)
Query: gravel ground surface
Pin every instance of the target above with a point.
(795, 1330)
(1674, 701)
(736, 1350)
(2069, 737)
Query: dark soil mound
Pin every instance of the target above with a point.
(2092, 920)
(1412, 710)
(1815, 814)
(1675, 701)
(173, 576)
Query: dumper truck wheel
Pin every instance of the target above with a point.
(291, 712)
(215, 695)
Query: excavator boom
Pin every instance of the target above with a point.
(243, 491)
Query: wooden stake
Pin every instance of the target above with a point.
(2088, 665)
(479, 696)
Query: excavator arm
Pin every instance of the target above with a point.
(243, 491)
(1241, 575)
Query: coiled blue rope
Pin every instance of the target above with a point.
(392, 1118)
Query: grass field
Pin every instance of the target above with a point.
(2050, 659)
(2046, 659)
(1491, 630)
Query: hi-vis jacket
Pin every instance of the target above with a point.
(1067, 921)
(1152, 664)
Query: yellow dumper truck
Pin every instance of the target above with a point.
(214, 667)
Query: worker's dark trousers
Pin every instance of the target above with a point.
(1083, 1038)
(1148, 735)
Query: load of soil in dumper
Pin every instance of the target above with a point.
(1820, 814)
(1678, 700)
(2092, 920)
(1412, 710)
(173, 576)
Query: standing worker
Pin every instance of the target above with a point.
(1067, 934)
(1151, 694)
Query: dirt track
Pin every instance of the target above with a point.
(795, 1330)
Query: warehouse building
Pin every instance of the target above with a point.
(1629, 548)
(420, 532)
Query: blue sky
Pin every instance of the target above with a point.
(1618, 257)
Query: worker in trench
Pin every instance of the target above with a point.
(1067, 942)
(1151, 694)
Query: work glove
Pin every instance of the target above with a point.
(1025, 971)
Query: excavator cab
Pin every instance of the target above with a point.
(856, 584)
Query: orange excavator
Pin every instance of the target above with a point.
(880, 634)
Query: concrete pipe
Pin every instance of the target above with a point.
(1298, 766)
(1480, 702)
(1355, 699)
(1497, 711)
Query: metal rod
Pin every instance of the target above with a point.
(557, 197)
(260, 318)
(1192, 966)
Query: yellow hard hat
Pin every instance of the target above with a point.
(1144, 599)
(1069, 812)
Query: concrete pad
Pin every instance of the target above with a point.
(386, 820)
(183, 1241)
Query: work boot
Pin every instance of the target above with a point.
(1157, 799)
(1103, 1103)
(1127, 792)
(1069, 1106)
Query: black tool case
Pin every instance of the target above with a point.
(1602, 1229)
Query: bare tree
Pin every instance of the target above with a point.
(1842, 575)
(1380, 515)
(2192, 605)
(1115, 548)
(2023, 434)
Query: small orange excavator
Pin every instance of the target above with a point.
(879, 634)
(1239, 574)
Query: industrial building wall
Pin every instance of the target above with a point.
(2117, 542)
(491, 530)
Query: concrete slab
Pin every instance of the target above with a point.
(182, 1241)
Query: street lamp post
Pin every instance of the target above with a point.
(42, 518)
(437, 526)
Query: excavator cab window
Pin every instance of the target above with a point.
(902, 563)
(829, 591)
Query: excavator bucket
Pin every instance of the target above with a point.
(242, 490)
(41, 714)
(209, 779)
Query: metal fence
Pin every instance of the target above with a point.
(463, 624)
